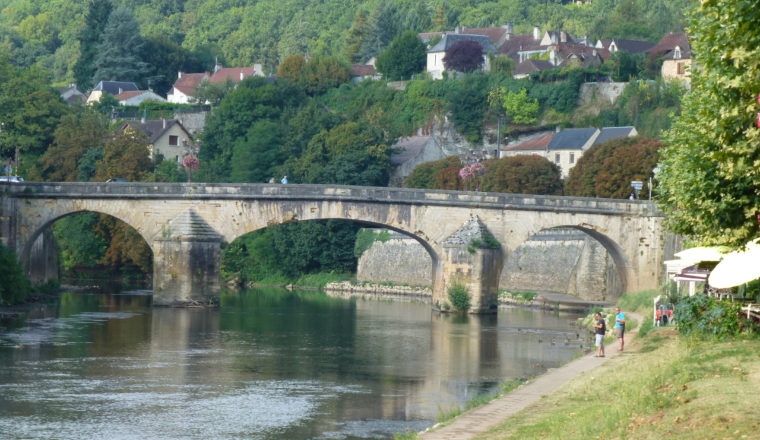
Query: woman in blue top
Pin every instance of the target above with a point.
(620, 326)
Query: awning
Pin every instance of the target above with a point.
(702, 253)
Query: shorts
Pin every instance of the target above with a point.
(619, 331)
(599, 340)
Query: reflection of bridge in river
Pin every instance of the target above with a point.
(185, 224)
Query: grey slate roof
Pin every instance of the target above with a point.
(449, 40)
(116, 87)
(152, 128)
(609, 133)
(571, 139)
(531, 65)
(632, 46)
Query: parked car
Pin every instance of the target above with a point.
(12, 179)
(117, 180)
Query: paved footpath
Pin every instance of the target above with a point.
(483, 418)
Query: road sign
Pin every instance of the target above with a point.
(637, 184)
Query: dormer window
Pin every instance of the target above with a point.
(677, 53)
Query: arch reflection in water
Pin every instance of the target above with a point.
(267, 364)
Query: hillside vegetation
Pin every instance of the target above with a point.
(47, 33)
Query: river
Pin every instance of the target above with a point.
(267, 364)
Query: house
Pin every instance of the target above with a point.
(497, 35)
(187, 83)
(525, 68)
(436, 53)
(361, 72)
(167, 138)
(183, 89)
(411, 151)
(631, 46)
(135, 97)
(577, 55)
(71, 94)
(567, 146)
(112, 88)
(675, 51)
(534, 145)
(609, 133)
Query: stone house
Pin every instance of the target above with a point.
(411, 151)
(564, 148)
(71, 94)
(675, 51)
(167, 138)
(435, 54)
(631, 46)
(135, 97)
(112, 88)
(362, 72)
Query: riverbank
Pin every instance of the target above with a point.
(666, 387)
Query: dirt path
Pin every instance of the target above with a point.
(483, 418)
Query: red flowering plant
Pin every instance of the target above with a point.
(472, 175)
(191, 162)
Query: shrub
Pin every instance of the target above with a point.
(459, 297)
(704, 316)
(14, 286)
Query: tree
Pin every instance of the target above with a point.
(90, 38)
(79, 131)
(524, 174)
(291, 68)
(404, 57)
(502, 64)
(14, 286)
(119, 56)
(324, 72)
(255, 156)
(625, 66)
(125, 155)
(710, 172)
(468, 105)
(425, 174)
(356, 36)
(164, 58)
(607, 169)
(518, 107)
(464, 56)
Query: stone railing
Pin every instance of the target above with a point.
(362, 194)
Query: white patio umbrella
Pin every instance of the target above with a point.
(737, 268)
(703, 253)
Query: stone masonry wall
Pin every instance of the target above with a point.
(400, 260)
(559, 260)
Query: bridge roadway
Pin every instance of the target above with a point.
(185, 223)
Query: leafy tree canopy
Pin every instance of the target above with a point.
(525, 174)
(405, 57)
(607, 169)
(464, 56)
(710, 172)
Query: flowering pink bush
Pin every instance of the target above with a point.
(471, 174)
(191, 161)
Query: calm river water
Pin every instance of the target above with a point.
(268, 364)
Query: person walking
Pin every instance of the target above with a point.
(620, 327)
(600, 328)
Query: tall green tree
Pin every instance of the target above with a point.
(119, 54)
(405, 57)
(255, 156)
(90, 38)
(710, 173)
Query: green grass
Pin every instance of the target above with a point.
(668, 389)
(321, 279)
(638, 301)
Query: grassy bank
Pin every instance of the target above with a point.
(668, 387)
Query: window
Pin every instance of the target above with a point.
(681, 68)
(174, 140)
(556, 157)
(572, 157)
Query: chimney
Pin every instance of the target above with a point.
(458, 29)
(594, 52)
(563, 36)
(557, 129)
(508, 28)
(241, 75)
(536, 33)
(179, 74)
(120, 91)
(163, 122)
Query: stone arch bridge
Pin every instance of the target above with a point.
(185, 225)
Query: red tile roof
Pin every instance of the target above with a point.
(536, 143)
(131, 94)
(669, 42)
(495, 34)
(234, 74)
(362, 70)
(188, 82)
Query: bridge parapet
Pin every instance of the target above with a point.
(221, 191)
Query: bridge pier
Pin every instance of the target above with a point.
(471, 259)
(186, 262)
